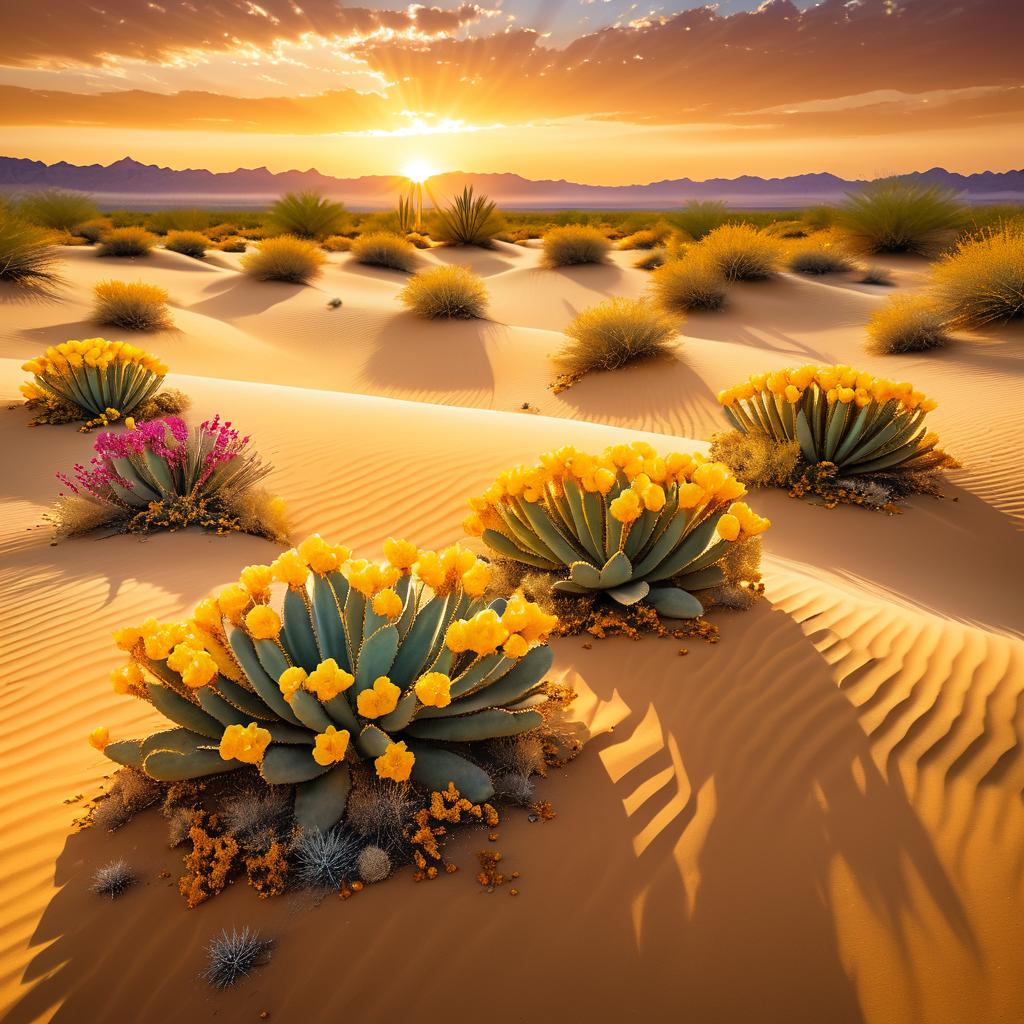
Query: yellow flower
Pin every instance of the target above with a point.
(476, 579)
(691, 495)
(728, 527)
(395, 763)
(380, 700)
(526, 619)
(124, 678)
(434, 690)
(289, 568)
(263, 622)
(129, 422)
(400, 553)
(330, 746)
(368, 577)
(290, 680)
(482, 634)
(654, 497)
(429, 570)
(604, 480)
(626, 507)
(199, 671)
(473, 525)
(244, 743)
(387, 604)
(179, 658)
(515, 646)
(320, 556)
(207, 614)
(127, 638)
(99, 738)
(751, 523)
(233, 600)
(327, 680)
(793, 394)
(711, 475)
(256, 579)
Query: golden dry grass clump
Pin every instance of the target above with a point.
(574, 244)
(284, 258)
(982, 281)
(337, 243)
(819, 257)
(133, 306)
(188, 243)
(28, 254)
(57, 208)
(692, 282)
(614, 333)
(742, 252)
(446, 293)
(93, 230)
(132, 241)
(907, 323)
(642, 239)
(233, 243)
(385, 249)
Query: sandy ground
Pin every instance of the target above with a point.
(818, 819)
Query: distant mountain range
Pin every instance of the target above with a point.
(128, 182)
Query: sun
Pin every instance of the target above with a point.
(417, 170)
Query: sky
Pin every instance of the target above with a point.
(599, 91)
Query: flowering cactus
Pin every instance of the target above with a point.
(399, 663)
(859, 423)
(160, 473)
(101, 378)
(627, 523)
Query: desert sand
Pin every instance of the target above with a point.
(818, 819)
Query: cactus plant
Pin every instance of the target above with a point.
(859, 423)
(400, 664)
(628, 523)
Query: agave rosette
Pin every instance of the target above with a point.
(629, 523)
(399, 663)
(860, 423)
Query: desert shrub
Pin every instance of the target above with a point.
(982, 281)
(326, 859)
(374, 865)
(57, 208)
(446, 293)
(232, 957)
(742, 252)
(129, 793)
(379, 811)
(645, 239)
(284, 258)
(818, 258)
(189, 219)
(126, 242)
(308, 215)
(614, 333)
(757, 459)
(693, 282)
(699, 218)
(897, 216)
(113, 879)
(787, 229)
(384, 249)
(233, 243)
(627, 524)
(906, 323)
(874, 274)
(652, 259)
(434, 670)
(94, 229)
(256, 818)
(337, 243)
(574, 244)
(94, 380)
(467, 220)
(418, 240)
(28, 254)
(188, 243)
(819, 218)
(162, 475)
(218, 232)
(838, 415)
(132, 306)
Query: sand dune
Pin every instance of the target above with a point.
(817, 819)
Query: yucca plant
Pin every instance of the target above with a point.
(57, 208)
(95, 377)
(898, 216)
(839, 415)
(468, 219)
(308, 215)
(407, 213)
(628, 523)
(160, 474)
(400, 664)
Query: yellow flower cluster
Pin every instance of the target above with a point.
(452, 567)
(395, 763)
(370, 578)
(741, 522)
(387, 604)
(434, 689)
(520, 626)
(99, 738)
(647, 474)
(326, 681)
(244, 743)
(839, 383)
(331, 746)
(95, 352)
(381, 699)
(263, 623)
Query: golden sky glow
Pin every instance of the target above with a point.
(595, 93)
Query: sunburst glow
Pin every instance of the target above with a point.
(417, 170)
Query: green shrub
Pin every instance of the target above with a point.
(742, 252)
(126, 242)
(467, 220)
(693, 282)
(446, 293)
(896, 216)
(308, 215)
(164, 221)
(27, 253)
(575, 244)
(58, 209)
(699, 218)
(131, 306)
(94, 230)
(385, 249)
(907, 323)
(188, 243)
(982, 281)
(284, 258)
